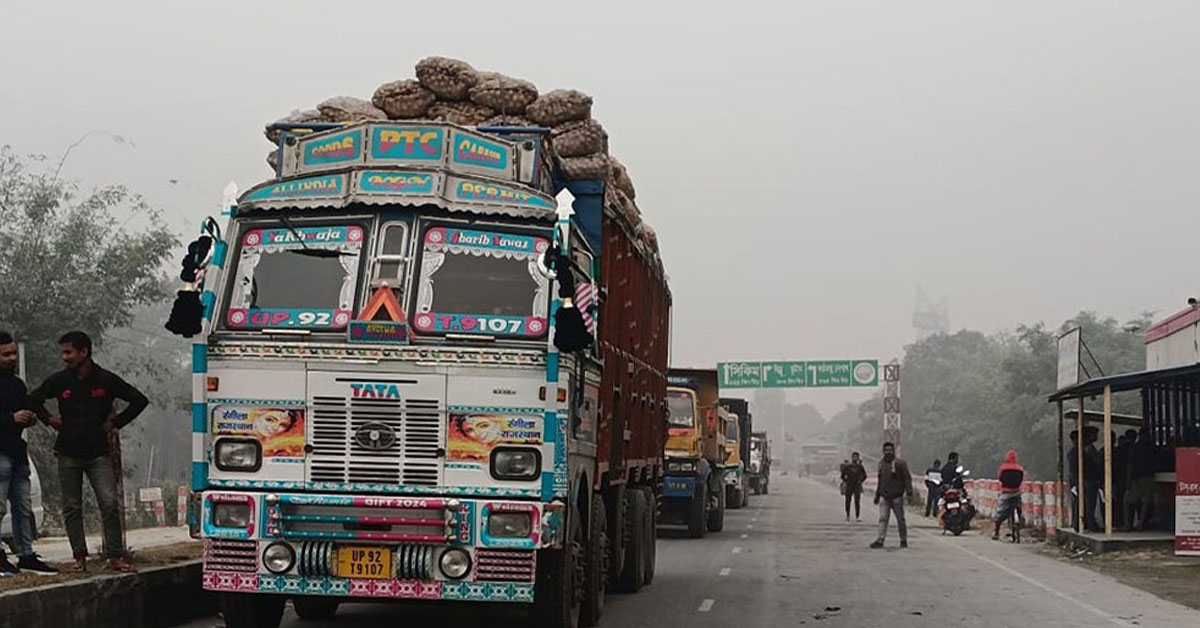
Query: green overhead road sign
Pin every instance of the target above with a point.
(809, 374)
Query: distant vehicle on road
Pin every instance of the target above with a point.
(758, 472)
(694, 486)
(6, 533)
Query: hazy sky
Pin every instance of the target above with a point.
(806, 164)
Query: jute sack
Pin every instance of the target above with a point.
(403, 100)
(450, 79)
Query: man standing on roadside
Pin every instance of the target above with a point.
(15, 484)
(853, 476)
(933, 486)
(85, 393)
(895, 482)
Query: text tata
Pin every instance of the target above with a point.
(375, 391)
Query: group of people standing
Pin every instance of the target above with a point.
(86, 415)
(1134, 463)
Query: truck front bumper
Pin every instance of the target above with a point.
(375, 547)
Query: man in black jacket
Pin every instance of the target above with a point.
(85, 393)
(895, 482)
(15, 485)
(853, 477)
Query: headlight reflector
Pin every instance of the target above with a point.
(455, 563)
(510, 463)
(238, 454)
(681, 467)
(279, 558)
(510, 525)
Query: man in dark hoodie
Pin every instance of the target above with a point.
(895, 482)
(85, 393)
(1011, 476)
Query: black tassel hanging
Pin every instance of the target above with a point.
(186, 314)
(570, 331)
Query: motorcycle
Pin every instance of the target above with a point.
(955, 509)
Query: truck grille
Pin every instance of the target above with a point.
(504, 566)
(223, 555)
(413, 426)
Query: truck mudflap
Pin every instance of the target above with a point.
(376, 547)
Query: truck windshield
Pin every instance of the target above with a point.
(279, 283)
(731, 430)
(681, 408)
(481, 282)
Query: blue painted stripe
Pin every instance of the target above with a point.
(199, 475)
(199, 418)
(207, 298)
(220, 251)
(199, 358)
(552, 359)
(547, 486)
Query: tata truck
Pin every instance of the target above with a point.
(758, 470)
(695, 453)
(381, 411)
(737, 440)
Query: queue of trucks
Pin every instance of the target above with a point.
(382, 409)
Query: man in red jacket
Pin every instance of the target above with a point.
(1011, 476)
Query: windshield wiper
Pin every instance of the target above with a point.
(304, 250)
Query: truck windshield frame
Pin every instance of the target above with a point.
(480, 280)
(276, 282)
(676, 400)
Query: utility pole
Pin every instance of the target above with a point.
(891, 403)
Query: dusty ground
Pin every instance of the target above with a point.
(142, 559)
(1156, 571)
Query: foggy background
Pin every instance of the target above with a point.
(807, 165)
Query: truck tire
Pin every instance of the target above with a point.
(558, 589)
(315, 608)
(716, 517)
(745, 497)
(596, 560)
(635, 549)
(696, 514)
(731, 498)
(252, 610)
(651, 536)
(766, 485)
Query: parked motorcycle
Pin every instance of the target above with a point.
(955, 509)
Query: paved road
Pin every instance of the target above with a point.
(790, 559)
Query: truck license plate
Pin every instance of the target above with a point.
(364, 562)
(952, 506)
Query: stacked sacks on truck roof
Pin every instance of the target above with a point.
(452, 90)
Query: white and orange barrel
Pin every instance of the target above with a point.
(1050, 489)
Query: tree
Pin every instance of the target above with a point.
(71, 260)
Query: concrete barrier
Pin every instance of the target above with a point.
(153, 598)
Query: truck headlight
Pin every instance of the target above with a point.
(681, 467)
(510, 463)
(279, 558)
(510, 525)
(238, 454)
(231, 515)
(455, 563)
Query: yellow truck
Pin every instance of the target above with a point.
(695, 452)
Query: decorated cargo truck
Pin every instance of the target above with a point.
(429, 368)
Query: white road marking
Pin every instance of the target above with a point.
(725, 571)
(750, 526)
(737, 550)
(1114, 620)
(745, 536)
(707, 605)
(754, 518)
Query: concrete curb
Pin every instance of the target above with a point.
(153, 598)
